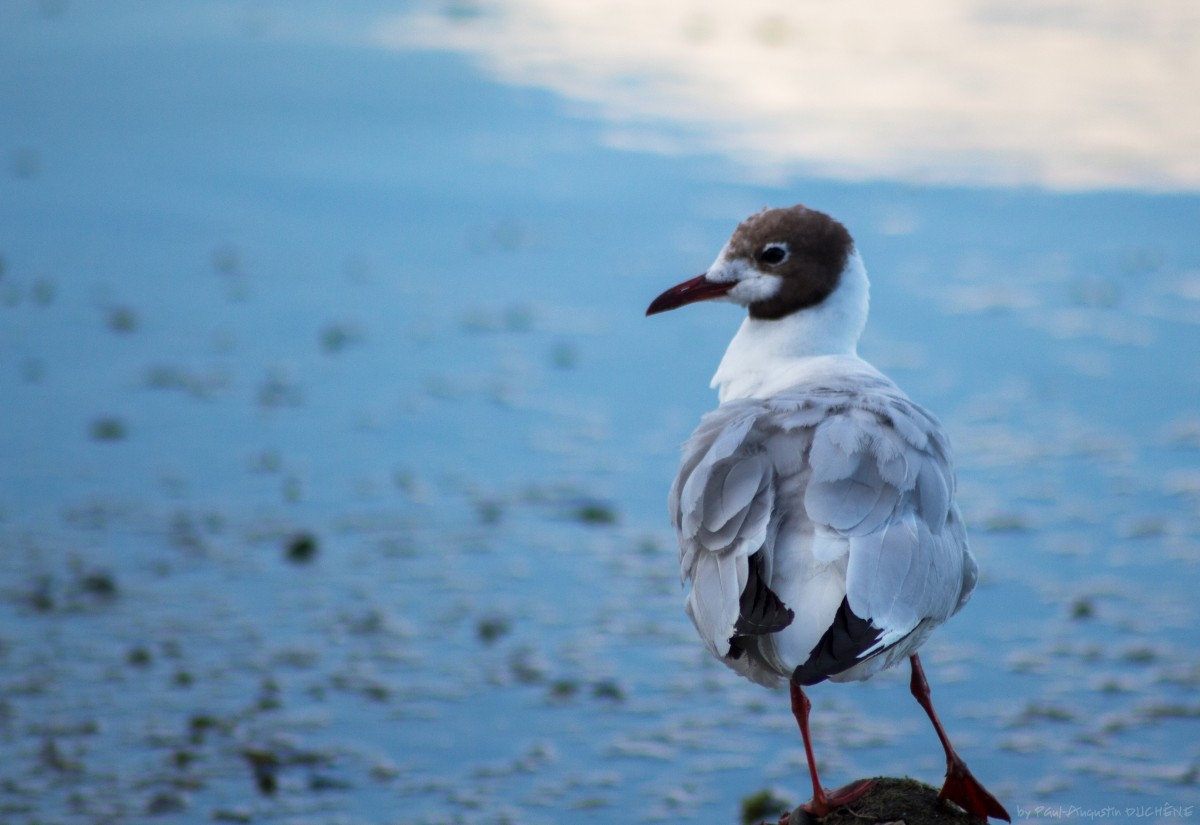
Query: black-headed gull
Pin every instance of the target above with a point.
(815, 506)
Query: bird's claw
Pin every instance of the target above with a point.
(965, 791)
(821, 806)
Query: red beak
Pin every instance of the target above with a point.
(689, 292)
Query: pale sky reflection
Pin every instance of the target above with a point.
(1066, 94)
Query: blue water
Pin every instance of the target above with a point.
(257, 286)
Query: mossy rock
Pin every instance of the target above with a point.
(893, 800)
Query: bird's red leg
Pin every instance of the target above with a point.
(960, 786)
(823, 801)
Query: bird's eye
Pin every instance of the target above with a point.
(773, 253)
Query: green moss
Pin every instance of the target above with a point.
(337, 336)
(764, 805)
(608, 689)
(596, 513)
(99, 583)
(1082, 608)
(564, 688)
(490, 511)
(166, 803)
(265, 766)
(1005, 523)
(491, 628)
(898, 800)
(138, 656)
(108, 429)
(122, 319)
(301, 548)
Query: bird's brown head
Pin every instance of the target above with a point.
(778, 261)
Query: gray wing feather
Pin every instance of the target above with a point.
(717, 581)
(933, 496)
(736, 504)
(718, 443)
(857, 501)
(731, 491)
(904, 567)
(721, 506)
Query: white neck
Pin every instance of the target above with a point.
(767, 356)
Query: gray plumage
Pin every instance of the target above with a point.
(846, 488)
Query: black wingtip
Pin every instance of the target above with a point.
(760, 611)
(840, 648)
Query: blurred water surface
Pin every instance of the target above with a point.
(334, 446)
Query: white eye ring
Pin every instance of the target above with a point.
(773, 254)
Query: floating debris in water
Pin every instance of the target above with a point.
(268, 761)
(336, 337)
(108, 428)
(596, 513)
(561, 689)
(100, 583)
(527, 666)
(201, 724)
(490, 629)
(490, 511)
(139, 657)
(269, 696)
(608, 689)
(1140, 655)
(41, 598)
(279, 388)
(122, 319)
(52, 758)
(1043, 712)
(1171, 710)
(85, 589)
(1007, 522)
(266, 461)
(320, 782)
(265, 767)
(196, 383)
(166, 802)
(515, 318)
(301, 548)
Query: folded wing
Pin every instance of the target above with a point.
(862, 472)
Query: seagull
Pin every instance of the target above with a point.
(815, 505)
